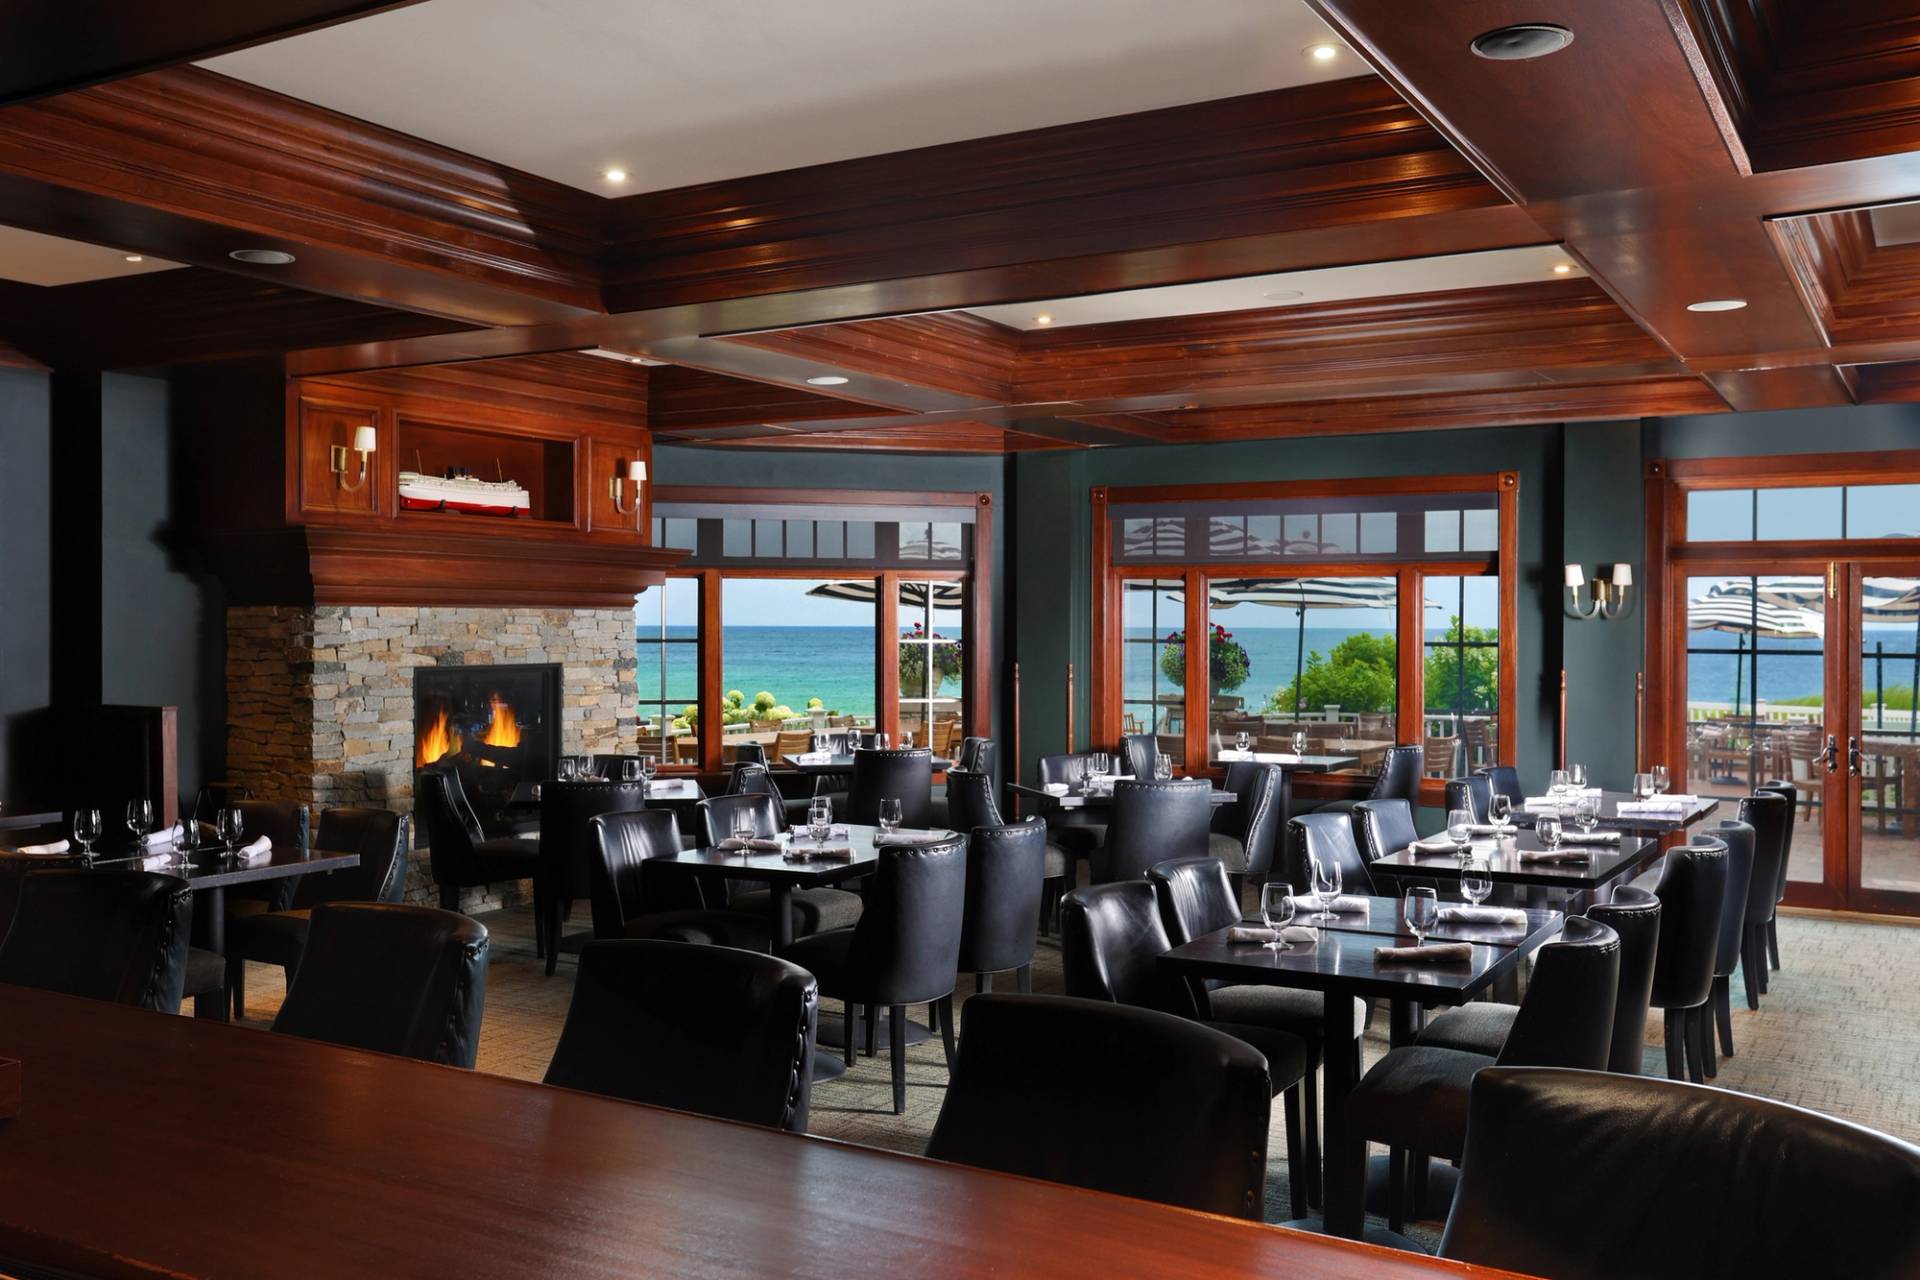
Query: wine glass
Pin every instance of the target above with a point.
(1662, 780)
(1547, 827)
(567, 764)
(1276, 910)
(86, 829)
(1162, 767)
(820, 819)
(1643, 785)
(185, 836)
(1586, 813)
(1101, 763)
(819, 747)
(1326, 888)
(1421, 910)
(232, 825)
(139, 820)
(906, 741)
(1299, 742)
(1578, 776)
(743, 829)
(880, 742)
(630, 771)
(1460, 829)
(889, 814)
(649, 768)
(1243, 742)
(1476, 880)
(1557, 783)
(1500, 809)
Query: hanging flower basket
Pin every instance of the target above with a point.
(914, 652)
(1227, 664)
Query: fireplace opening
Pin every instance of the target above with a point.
(498, 726)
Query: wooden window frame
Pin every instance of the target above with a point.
(1108, 626)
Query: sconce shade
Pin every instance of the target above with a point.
(637, 471)
(363, 439)
(1576, 576)
(1623, 575)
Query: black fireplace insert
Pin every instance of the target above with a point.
(497, 725)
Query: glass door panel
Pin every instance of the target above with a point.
(1885, 774)
(1153, 615)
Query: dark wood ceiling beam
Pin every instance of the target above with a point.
(55, 46)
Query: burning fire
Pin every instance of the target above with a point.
(437, 739)
(504, 729)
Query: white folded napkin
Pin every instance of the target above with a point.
(259, 851)
(1442, 843)
(1487, 829)
(163, 838)
(1555, 855)
(1589, 837)
(1482, 915)
(1293, 933)
(44, 850)
(810, 852)
(815, 757)
(909, 839)
(799, 831)
(1545, 804)
(1056, 788)
(1346, 903)
(1659, 804)
(1438, 953)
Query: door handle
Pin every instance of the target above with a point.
(1831, 755)
(1853, 757)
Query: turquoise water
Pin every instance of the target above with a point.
(833, 664)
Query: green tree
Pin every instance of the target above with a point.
(1481, 668)
(1360, 674)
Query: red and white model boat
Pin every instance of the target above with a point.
(463, 493)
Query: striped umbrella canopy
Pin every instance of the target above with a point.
(1305, 593)
(1882, 600)
(945, 594)
(1746, 616)
(1162, 537)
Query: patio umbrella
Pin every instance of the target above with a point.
(1740, 613)
(945, 594)
(1304, 594)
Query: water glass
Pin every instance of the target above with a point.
(1547, 827)
(1300, 742)
(889, 814)
(566, 768)
(1101, 763)
(1163, 767)
(1476, 880)
(743, 829)
(1578, 776)
(1500, 809)
(1276, 911)
(820, 819)
(1460, 828)
(880, 742)
(1243, 742)
(1643, 786)
(649, 768)
(86, 829)
(1586, 812)
(906, 742)
(1421, 909)
(819, 744)
(630, 771)
(232, 825)
(1326, 888)
(1558, 781)
(1662, 780)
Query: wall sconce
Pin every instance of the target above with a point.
(1607, 597)
(636, 472)
(363, 444)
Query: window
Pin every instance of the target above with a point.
(667, 627)
(790, 648)
(1360, 613)
(932, 664)
(1803, 513)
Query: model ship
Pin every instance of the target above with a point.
(460, 490)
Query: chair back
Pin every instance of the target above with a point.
(1195, 897)
(1399, 776)
(975, 755)
(1504, 779)
(1740, 838)
(1386, 827)
(1692, 890)
(286, 825)
(379, 836)
(907, 945)
(752, 753)
(714, 1030)
(1111, 941)
(1634, 914)
(452, 828)
(1112, 1099)
(751, 779)
(1566, 1016)
(1069, 768)
(394, 979)
(1139, 751)
(621, 845)
(1317, 837)
(1474, 794)
(1254, 816)
(792, 742)
(903, 774)
(567, 811)
(1771, 816)
(1697, 1182)
(1791, 794)
(116, 934)
(970, 801)
(1151, 822)
(1006, 871)
(718, 812)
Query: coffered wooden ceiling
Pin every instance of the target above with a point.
(1677, 152)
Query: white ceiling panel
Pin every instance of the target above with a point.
(31, 258)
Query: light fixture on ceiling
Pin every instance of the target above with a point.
(1717, 304)
(615, 175)
(1563, 268)
(1521, 41)
(623, 357)
(262, 257)
(1283, 295)
(1043, 319)
(827, 380)
(1322, 52)
(134, 257)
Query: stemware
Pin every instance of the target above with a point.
(1578, 776)
(1243, 742)
(1662, 780)
(1547, 827)
(1586, 813)
(1326, 888)
(567, 765)
(889, 814)
(630, 771)
(743, 831)
(906, 741)
(1276, 911)
(1163, 767)
(820, 819)
(881, 742)
(233, 825)
(1460, 829)
(1476, 880)
(1101, 763)
(819, 747)
(1557, 783)
(86, 829)
(1643, 786)
(139, 818)
(185, 836)
(1300, 742)
(649, 768)
(1500, 809)
(1421, 910)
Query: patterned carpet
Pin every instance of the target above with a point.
(1839, 1032)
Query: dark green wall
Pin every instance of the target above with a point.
(26, 559)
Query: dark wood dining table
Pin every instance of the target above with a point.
(1341, 964)
(325, 1162)
(1605, 864)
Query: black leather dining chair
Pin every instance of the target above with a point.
(1692, 888)
(287, 825)
(1006, 876)
(713, 1030)
(1080, 832)
(1151, 822)
(1399, 777)
(461, 855)
(813, 910)
(1414, 1100)
(1473, 793)
(1138, 751)
(1111, 941)
(976, 755)
(107, 934)
(1696, 1184)
(1505, 781)
(378, 837)
(1791, 794)
(567, 811)
(1323, 836)
(395, 979)
(1771, 815)
(1743, 878)
(1244, 834)
(905, 950)
(1386, 827)
(1111, 1098)
(970, 797)
(629, 903)
(899, 774)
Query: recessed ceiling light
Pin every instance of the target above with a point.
(134, 257)
(1043, 319)
(1322, 52)
(624, 357)
(1563, 268)
(827, 380)
(1283, 295)
(262, 257)
(615, 175)
(1521, 41)
(1718, 304)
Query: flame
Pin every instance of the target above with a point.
(437, 740)
(504, 729)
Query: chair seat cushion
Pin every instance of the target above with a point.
(1416, 1097)
(1079, 839)
(271, 937)
(1231, 850)
(814, 910)
(1289, 1009)
(1480, 1027)
(206, 972)
(506, 858)
(824, 955)
(1057, 861)
(1286, 1054)
(710, 928)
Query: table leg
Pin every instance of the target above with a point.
(1346, 1157)
(210, 933)
(780, 902)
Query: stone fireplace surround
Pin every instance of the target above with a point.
(320, 704)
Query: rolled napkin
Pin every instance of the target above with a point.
(1293, 933)
(1589, 837)
(1482, 915)
(815, 757)
(1555, 855)
(1055, 788)
(766, 844)
(258, 851)
(1345, 904)
(1488, 829)
(800, 831)
(44, 850)
(1438, 953)
(1443, 843)
(1659, 804)
(1545, 804)
(909, 839)
(810, 852)
(156, 862)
